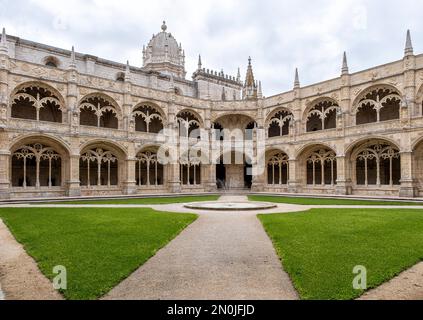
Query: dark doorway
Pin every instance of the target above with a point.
(221, 176)
(248, 175)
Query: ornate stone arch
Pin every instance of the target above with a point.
(277, 167)
(112, 145)
(36, 100)
(188, 121)
(94, 106)
(39, 161)
(148, 117)
(375, 162)
(279, 122)
(321, 114)
(149, 170)
(193, 112)
(102, 163)
(377, 103)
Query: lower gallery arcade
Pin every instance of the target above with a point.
(42, 166)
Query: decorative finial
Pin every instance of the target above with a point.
(3, 36)
(238, 77)
(127, 72)
(297, 79)
(260, 91)
(72, 64)
(200, 64)
(249, 61)
(164, 27)
(345, 69)
(408, 45)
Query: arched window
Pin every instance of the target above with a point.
(36, 166)
(321, 168)
(322, 116)
(381, 104)
(280, 123)
(98, 167)
(190, 169)
(378, 164)
(188, 123)
(52, 62)
(147, 119)
(37, 103)
(278, 169)
(120, 76)
(149, 171)
(98, 112)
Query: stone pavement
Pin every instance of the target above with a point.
(220, 256)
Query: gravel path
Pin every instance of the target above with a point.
(19, 274)
(407, 286)
(221, 256)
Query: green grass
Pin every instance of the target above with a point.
(329, 201)
(99, 247)
(142, 201)
(320, 248)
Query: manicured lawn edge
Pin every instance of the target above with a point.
(329, 201)
(137, 201)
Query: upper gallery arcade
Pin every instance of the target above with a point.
(74, 124)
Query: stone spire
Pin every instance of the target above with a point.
(238, 77)
(72, 63)
(345, 69)
(408, 45)
(3, 44)
(127, 72)
(250, 86)
(297, 79)
(200, 64)
(249, 79)
(260, 91)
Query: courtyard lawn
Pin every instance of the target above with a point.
(142, 201)
(320, 248)
(329, 201)
(99, 247)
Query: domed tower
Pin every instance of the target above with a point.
(164, 55)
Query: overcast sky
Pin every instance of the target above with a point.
(278, 35)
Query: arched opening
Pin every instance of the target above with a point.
(148, 169)
(36, 165)
(322, 116)
(279, 124)
(52, 62)
(377, 163)
(34, 102)
(190, 166)
(147, 119)
(189, 124)
(320, 166)
(98, 167)
(98, 111)
(234, 171)
(278, 169)
(379, 104)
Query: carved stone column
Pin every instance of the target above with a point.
(130, 183)
(343, 182)
(408, 187)
(293, 181)
(74, 184)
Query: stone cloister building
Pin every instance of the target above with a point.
(78, 125)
